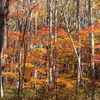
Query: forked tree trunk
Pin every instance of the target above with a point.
(22, 42)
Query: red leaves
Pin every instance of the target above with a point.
(93, 61)
(85, 32)
(45, 29)
(96, 61)
(61, 32)
(97, 46)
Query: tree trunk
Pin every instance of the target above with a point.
(5, 24)
(20, 59)
(47, 12)
(1, 43)
(78, 51)
(91, 37)
(25, 49)
(50, 33)
(55, 40)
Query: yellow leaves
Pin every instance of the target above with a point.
(38, 82)
(69, 83)
(56, 90)
(10, 75)
(87, 79)
(59, 40)
(62, 60)
(4, 56)
(97, 83)
(84, 74)
(81, 91)
(97, 20)
(98, 4)
(66, 39)
(96, 32)
(41, 50)
(28, 65)
(66, 76)
(33, 80)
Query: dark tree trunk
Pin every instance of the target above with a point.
(1, 42)
(5, 23)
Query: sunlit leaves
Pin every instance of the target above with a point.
(10, 75)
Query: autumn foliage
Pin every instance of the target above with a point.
(28, 53)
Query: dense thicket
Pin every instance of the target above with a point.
(49, 49)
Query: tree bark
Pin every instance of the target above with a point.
(55, 40)
(91, 37)
(50, 33)
(25, 49)
(1, 43)
(6, 11)
(78, 49)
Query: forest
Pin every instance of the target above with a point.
(49, 50)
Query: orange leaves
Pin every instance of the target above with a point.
(17, 37)
(8, 51)
(61, 32)
(28, 65)
(43, 32)
(13, 0)
(45, 29)
(12, 7)
(17, 15)
(38, 82)
(97, 46)
(10, 75)
(95, 61)
(15, 33)
(41, 71)
(87, 79)
(66, 82)
(85, 32)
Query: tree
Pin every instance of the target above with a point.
(91, 37)
(3, 39)
(45, 56)
(55, 40)
(1, 43)
(50, 34)
(78, 50)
